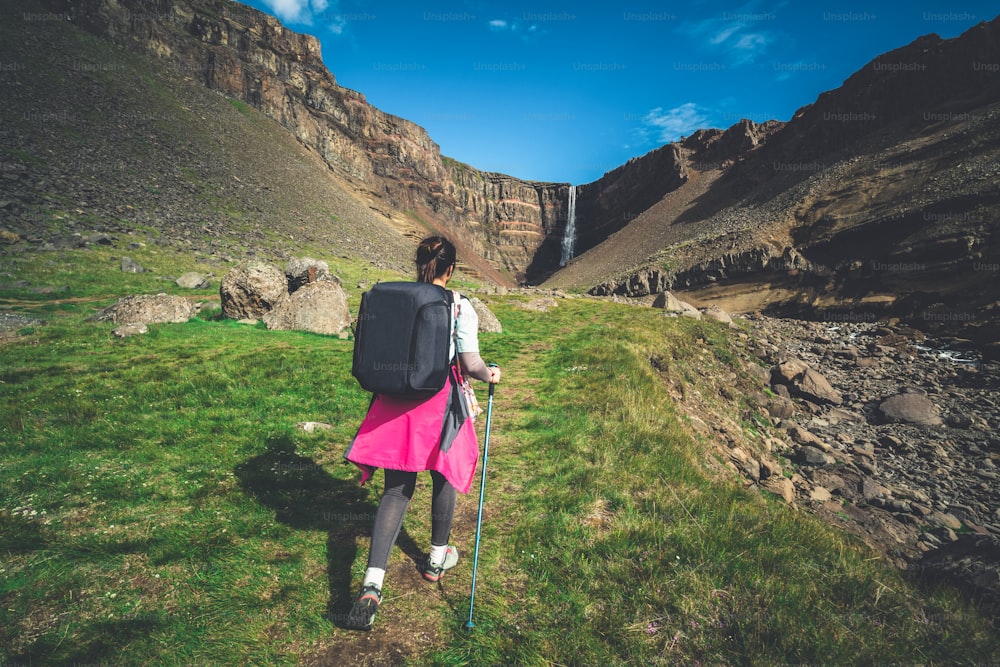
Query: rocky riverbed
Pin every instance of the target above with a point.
(892, 436)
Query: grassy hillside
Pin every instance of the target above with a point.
(159, 506)
(98, 139)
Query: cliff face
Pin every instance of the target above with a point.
(896, 168)
(887, 188)
(718, 149)
(140, 148)
(614, 200)
(623, 195)
(517, 224)
(506, 222)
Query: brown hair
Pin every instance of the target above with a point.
(435, 255)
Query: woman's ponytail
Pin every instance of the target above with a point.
(435, 255)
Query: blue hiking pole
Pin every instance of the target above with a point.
(482, 494)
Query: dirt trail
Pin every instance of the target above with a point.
(414, 613)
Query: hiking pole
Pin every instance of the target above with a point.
(482, 494)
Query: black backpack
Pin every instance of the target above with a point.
(402, 339)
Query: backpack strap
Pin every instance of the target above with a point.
(455, 301)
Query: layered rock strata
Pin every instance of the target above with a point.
(250, 56)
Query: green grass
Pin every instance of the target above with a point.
(160, 507)
(240, 106)
(146, 479)
(630, 552)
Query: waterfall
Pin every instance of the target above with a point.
(569, 235)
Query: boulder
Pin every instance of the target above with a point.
(779, 407)
(910, 408)
(100, 239)
(820, 494)
(69, 242)
(748, 465)
(148, 309)
(672, 305)
(814, 386)
(947, 520)
(13, 321)
(834, 481)
(193, 280)
(769, 468)
(251, 289)
(759, 373)
(488, 322)
(319, 307)
(716, 314)
(805, 437)
(958, 419)
(870, 489)
(787, 371)
(129, 265)
(814, 456)
(781, 486)
(805, 382)
(304, 270)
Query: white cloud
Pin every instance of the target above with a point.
(306, 12)
(526, 31)
(753, 42)
(672, 124)
(739, 34)
(722, 35)
(291, 11)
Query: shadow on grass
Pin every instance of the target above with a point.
(106, 638)
(305, 496)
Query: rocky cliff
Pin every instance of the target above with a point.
(614, 200)
(887, 188)
(514, 223)
(504, 225)
(628, 192)
(654, 202)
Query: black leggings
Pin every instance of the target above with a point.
(399, 488)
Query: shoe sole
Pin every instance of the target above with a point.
(362, 614)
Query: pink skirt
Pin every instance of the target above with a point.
(435, 433)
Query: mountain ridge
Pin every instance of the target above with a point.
(883, 191)
(98, 139)
(768, 207)
(249, 55)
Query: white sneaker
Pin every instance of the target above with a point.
(433, 571)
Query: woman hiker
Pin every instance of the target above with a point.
(410, 431)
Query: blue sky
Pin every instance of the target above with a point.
(565, 92)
